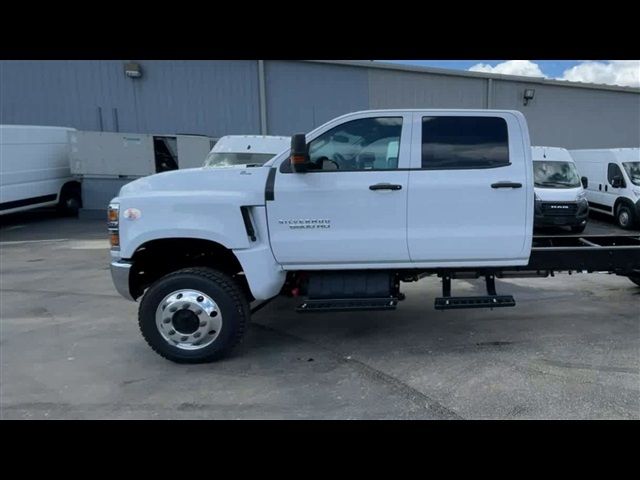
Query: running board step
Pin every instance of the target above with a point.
(348, 304)
(489, 301)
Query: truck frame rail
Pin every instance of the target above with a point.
(591, 253)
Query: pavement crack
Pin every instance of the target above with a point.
(585, 366)
(52, 292)
(415, 396)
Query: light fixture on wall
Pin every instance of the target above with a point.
(529, 93)
(132, 70)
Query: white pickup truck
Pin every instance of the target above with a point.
(357, 206)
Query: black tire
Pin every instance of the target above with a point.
(635, 279)
(625, 217)
(222, 289)
(578, 229)
(70, 200)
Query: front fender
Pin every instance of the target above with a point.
(188, 216)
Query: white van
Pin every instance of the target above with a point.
(559, 193)
(34, 169)
(614, 182)
(245, 150)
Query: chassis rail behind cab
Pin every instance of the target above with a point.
(581, 253)
(591, 253)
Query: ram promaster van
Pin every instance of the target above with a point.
(340, 219)
(559, 193)
(34, 169)
(245, 150)
(614, 182)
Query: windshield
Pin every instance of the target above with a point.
(633, 171)
(555, 174)
(226, 159)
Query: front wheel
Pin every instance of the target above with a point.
(625, 217)
(194, 315)
(578, 229)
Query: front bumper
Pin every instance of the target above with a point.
(549, 218)
(120, 275)
(560, 221)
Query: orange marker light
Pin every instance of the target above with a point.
(114, 239)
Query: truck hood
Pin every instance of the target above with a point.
(242, 183)
(557, 194)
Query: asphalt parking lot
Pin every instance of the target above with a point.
(70, 348)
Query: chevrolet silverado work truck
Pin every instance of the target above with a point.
(353, 209)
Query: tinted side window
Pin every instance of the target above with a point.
(613, 170)
(363, 144)
(464, 142)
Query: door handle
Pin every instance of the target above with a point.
(385, 186)
(506, 185)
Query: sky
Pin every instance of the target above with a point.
(611, 72)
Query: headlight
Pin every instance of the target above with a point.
(581, 197)
(113, 219)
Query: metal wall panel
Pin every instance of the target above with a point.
(397, 89)
(574, 117)
(205, 97)
(302, 96)
(222, 97)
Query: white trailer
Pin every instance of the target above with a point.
(105, 161)
(34, 169)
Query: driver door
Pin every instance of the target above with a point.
(351, 207)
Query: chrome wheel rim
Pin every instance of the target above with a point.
(189, 319)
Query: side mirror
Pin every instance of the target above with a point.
(299, 157)
(585, 182)
(616, 182)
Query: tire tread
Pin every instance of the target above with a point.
(231, 288)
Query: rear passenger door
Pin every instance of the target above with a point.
(470, 202)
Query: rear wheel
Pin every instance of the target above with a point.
(194, 315)
(625, 217)
(70, 200)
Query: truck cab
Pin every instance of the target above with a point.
(560, 197)
(358, 205)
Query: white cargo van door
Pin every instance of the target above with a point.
(351, 207)
(470, 189)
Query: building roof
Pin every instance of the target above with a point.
(465, 73)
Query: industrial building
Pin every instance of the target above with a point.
(276, 97)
